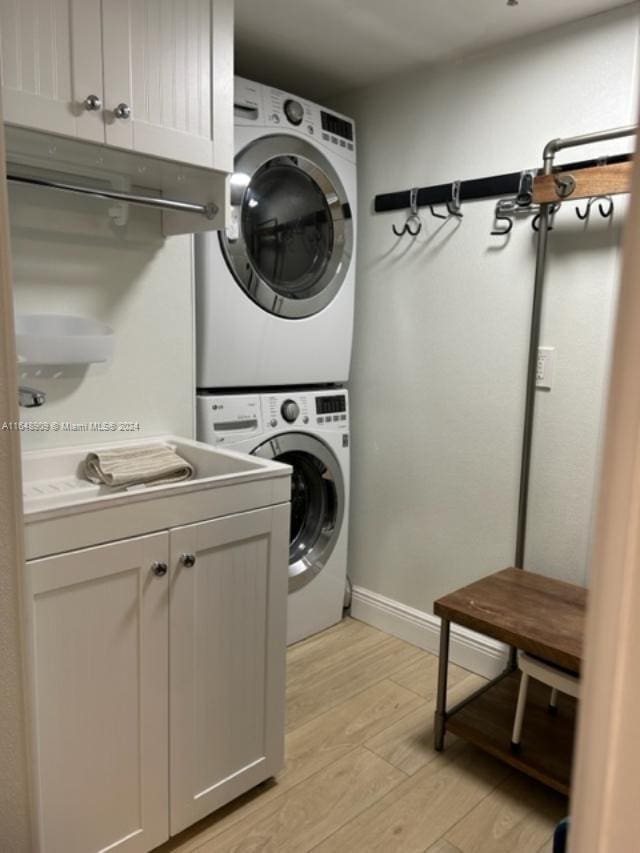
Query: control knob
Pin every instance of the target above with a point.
(290, 411)
(294, 111)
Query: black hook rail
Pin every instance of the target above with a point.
(479, 188)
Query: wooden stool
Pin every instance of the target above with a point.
(557, 679)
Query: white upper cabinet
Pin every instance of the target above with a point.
(51, 61)
(158, 70)
(150, 76)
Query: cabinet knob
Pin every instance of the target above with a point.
(188, 560)
(92, 103)
(122, 111)
(159, 569)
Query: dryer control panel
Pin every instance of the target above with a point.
(264, 106)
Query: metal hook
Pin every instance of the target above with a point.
(437, 215)
(587, 210)
(525, 189)
(535, 222)
(609, 211)
(414, 216)
(453, 206)
(502, 217)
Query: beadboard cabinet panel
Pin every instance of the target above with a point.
(158, 62)
(51, 60)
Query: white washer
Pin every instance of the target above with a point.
(275, 292)
(308, 430)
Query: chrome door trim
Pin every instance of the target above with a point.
(306, 157)
(303, 570)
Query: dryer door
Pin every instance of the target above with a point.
(317, 501)
(293, 233)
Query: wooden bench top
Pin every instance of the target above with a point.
(539, 615)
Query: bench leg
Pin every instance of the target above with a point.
(440, 721)
(517, 723)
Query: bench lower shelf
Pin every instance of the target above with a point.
(546, 750)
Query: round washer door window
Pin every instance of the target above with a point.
(317, 502)
(294, 231)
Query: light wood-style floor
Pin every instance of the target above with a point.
(361, 773)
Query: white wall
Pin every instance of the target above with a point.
(69, 258)
(442, 322)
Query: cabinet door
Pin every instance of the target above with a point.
(97, 634)
(51, 60)
(227, 635)
(158, 65)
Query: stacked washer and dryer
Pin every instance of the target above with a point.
(274, 324)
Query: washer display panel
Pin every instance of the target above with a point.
(294, 236)
(317, 501)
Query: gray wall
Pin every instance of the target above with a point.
(442, 321)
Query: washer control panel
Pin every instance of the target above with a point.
(225, 419)
(230, 418)
(322, 409)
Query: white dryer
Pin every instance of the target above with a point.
(308, 430)
(275, 291)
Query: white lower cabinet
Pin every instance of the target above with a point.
(227, 659)
(157, 668)
(98, 628)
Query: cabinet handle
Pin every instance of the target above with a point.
(159, 569)
(122, 111)
(188, 560)
(92, 103)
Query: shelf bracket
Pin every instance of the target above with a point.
(119, 210)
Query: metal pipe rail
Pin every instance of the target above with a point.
(550, 150)
(209, 209)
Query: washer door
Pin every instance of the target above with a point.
(294, 231)
(317, 501)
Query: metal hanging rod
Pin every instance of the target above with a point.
(209, 210)
(490, 187)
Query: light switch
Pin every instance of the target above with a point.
(544, 367)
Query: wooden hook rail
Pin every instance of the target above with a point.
(610, 179)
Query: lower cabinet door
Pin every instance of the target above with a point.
(97, 628)
(227, 639)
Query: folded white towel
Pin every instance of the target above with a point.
(128, 466)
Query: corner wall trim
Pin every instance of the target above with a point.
(480, 654)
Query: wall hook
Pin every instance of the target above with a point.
(437, 215)
(413, 218)
(504, 213)
(524, 195)
(587, 210)
(535, 222)
(453, 206)
(501, 232)
(608, 213)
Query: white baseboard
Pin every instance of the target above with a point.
(468, 649)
